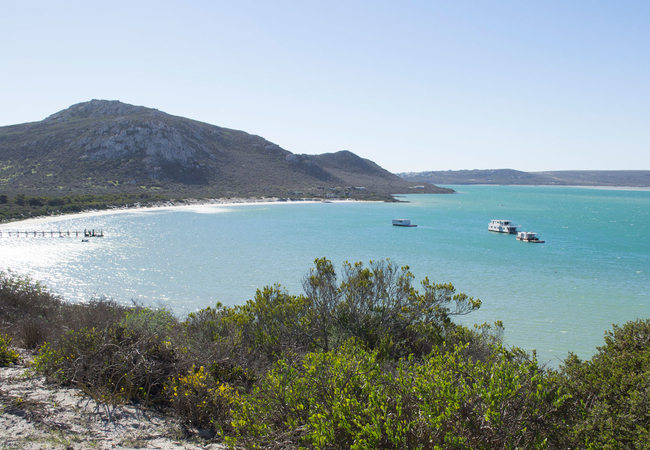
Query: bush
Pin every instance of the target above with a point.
(274, 323)
(380, 306)
(20, 199)
(98, 312)
(201, 401)
(27, 311)
(35, 201)
(113, 364)
(160, 321)
(611, 392)
(7, 355)
(56, 202)
(346, 399)
(377, 305)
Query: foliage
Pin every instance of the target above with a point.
(611, 391)
(27, 311)
(201, 401)
(158, 322)
(113, 365)
(7, 355)
(272, 324)
(380, 306)
(23, 205)
(346, 399)
(377, 305)
(365, 362)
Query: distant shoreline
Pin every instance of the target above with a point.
(509, 177)
(162, 205)
(614, 188)
(606, 188)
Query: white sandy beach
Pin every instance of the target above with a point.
(189, 204)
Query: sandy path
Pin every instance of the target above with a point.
(35, 415)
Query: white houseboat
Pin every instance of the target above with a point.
(502, 226)
(403, 223)
(527, 236)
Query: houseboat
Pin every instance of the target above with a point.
(403, 223)
(528, 236)
(502, 226)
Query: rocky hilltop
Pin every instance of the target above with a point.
(108, 146)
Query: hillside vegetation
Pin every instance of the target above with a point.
(108, 147)
(359, 360)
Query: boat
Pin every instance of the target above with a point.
(528, 236)
(502, 226)
(403, 223)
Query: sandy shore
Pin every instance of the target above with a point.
(188, 204)
(35, 415)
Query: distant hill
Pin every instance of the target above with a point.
(108, 146)
(632, 178)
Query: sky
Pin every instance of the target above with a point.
(412, 85)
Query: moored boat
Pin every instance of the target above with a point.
(403, 223)
(502, 226)
(528, 236)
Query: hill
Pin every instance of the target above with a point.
(101, 147)
(631, 178)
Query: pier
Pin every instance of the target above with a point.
(52, 233)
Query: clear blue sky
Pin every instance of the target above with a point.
(412, 85)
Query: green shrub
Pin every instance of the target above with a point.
(56, 202)
(35, 201)
(201, 401)
(379, 305)
(250, 337)
(346, 399)
(7, 355)
(611, 391)
(272, 324)
(160, 321)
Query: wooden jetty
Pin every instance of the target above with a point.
(52, 233)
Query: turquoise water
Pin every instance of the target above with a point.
(593, 270)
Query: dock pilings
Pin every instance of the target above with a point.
(52, 233)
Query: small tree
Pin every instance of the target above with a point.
(321, 288)
(379, 305)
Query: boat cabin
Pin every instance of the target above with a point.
(403, 223)
(502, 226)
(528, 236)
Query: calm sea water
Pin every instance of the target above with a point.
(592, 272)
